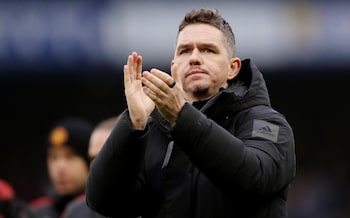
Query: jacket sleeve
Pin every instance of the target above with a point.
(243, 162)
(113, 178)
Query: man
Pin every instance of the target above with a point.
(202, 143)
(78, 207)
(68, 166)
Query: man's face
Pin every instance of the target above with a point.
(68, 171)
(203, 64)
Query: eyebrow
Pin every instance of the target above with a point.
(199, 45)
(205, 45)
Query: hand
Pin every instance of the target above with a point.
(169, 100)
(140, 106)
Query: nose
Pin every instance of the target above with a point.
(195, 58)
(60, 164)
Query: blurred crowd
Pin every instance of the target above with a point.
(72, 145)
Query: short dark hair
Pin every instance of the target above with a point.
(213, 18)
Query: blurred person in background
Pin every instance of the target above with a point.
(202, 142)
(67, 164)
(78, 207)
(11, 206)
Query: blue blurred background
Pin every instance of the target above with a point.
(65, 58)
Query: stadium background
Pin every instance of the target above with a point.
(65, 58)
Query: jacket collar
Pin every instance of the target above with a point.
(246, 90)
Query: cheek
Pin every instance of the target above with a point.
(222, 72)
(82, 175)
(80, 166)
(178, 73)
(55, 170)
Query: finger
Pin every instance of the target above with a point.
(126, 75)
(139, 67)
(157, 97)
(166, 79)
(134, 63)
(153, 83)
(127, 69)
(150, 94)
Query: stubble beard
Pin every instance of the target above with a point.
(199, 92)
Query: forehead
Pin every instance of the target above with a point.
(62, 150)
(200, 32)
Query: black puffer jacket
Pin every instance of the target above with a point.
(235, 157)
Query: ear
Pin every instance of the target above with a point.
(235, 66)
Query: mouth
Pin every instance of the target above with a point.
(61, 182)
(194, 72)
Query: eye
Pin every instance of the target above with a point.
(208, 50)
(52, 157)
(184, 51)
